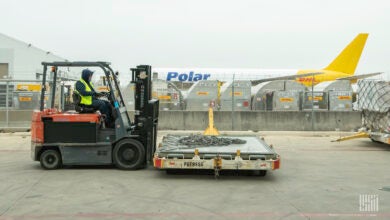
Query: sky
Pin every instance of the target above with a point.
(281, 34)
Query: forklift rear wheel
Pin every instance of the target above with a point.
(129, 154)
(51, 159)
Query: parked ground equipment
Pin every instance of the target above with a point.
(374, 102)
(80, 138)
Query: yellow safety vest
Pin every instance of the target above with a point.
(86, 100)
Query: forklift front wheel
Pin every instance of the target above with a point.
(129, 154)
(50, 159)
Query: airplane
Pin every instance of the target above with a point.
(342, 67)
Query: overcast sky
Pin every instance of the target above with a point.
(290, 34)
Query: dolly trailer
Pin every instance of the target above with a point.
(252, 154)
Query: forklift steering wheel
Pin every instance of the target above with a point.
(103, 95)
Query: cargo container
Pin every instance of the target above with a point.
(27, 96)
(170, 96)
(287, 100)
(242, 96)
(339, 94)
(263, 94)
(201, 94)
(315, 101)
(340, 100)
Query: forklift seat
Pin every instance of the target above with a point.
(81, 108)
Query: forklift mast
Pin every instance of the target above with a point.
(146, 109)
(143, 89)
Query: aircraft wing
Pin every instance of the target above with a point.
(361, 76)
(289, 77)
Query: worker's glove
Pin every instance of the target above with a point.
(98, 94)
(103, 94)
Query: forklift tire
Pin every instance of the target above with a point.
(129, 154)
(50, 160)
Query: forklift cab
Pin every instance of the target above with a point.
(78, 138)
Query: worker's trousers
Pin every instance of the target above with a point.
(104, 108)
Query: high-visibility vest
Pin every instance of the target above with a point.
(86, 100)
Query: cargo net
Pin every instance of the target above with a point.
(374, 95)
(203, 140)
(376, 121)
(374, 102)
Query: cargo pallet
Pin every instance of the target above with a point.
(255, 155)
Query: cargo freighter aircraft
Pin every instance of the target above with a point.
(342, 67)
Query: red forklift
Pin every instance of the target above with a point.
(80, 138)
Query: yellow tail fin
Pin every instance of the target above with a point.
(348, 59)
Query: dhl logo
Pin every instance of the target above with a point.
(28, 87)
(164, 97)
(345, 97)
(316, 98)
(307, 79)
(286, 99)
(236, 93)
(202, 93)
(25, 99)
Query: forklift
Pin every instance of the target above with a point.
(80, 138)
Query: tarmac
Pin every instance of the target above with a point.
(318, 179)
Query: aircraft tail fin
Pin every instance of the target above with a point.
(348, 59)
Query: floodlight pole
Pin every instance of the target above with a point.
(233, 103)
(7, 103)
(312, 102)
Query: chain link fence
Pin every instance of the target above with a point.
(18, 98)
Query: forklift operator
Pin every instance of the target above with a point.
(89, 97)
